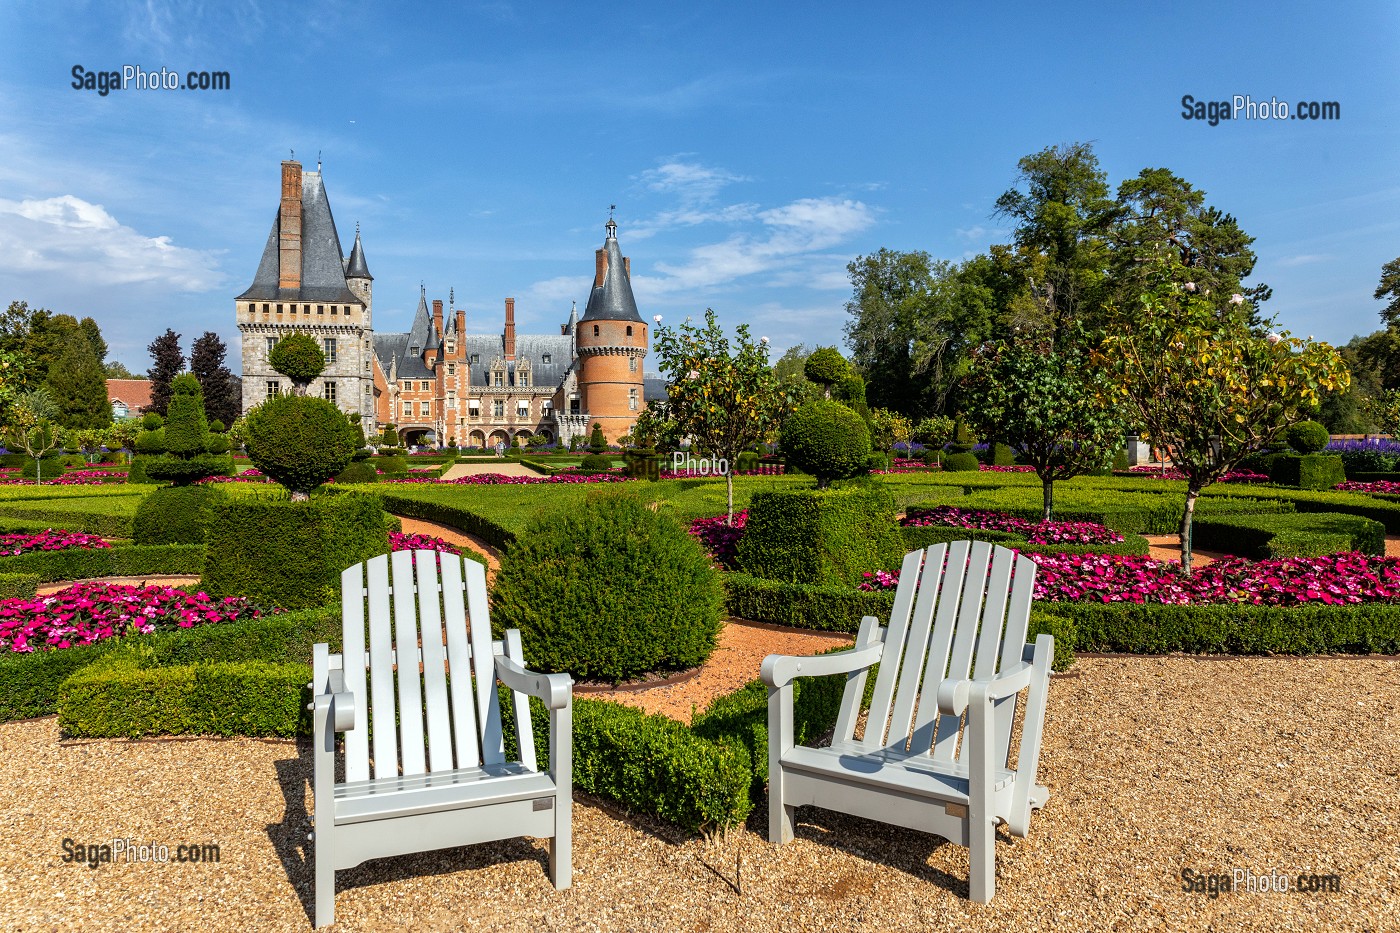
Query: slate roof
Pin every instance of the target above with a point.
(322, 261)
(534, 347)
(421, 334)
(391, 347)
(653, 389)
(355, 267)
(612, 300)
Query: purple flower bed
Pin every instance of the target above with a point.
(721, 540)
(1034, 532)
(91, 612)
(1383, 486)
(1371, 445)
(1337, 579)
(50, 540)
(403, 542)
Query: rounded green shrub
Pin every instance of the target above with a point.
(216, 444)
(298, 357)
(48, 467)
(359, 471)
(151, 421)
(299, 441)
(826, 366)
(391, 464)
(136, 474)
(595, 463)
(596, 442)
(217, 426)
(609, 591)
(826, 439)
(174, 515)
(151, 442)
(961, 463)
(1307, 437)
(850, 391)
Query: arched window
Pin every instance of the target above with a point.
(595, 330)
(629, 330)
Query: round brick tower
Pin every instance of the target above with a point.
(612, 343)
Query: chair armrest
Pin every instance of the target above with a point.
(330, 698)
(953, 694)
(554, 689)
(778, 670)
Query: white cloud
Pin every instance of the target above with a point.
(1305, 259)
(80, 242)
(548, 295)
(692, 181)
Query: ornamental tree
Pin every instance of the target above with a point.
(298, 357)
(1050, 404)
(300, 441)
(186, 436)
(1384, 410)
(1203, 383)
(725, 398)
(888, 429)
(826, 367)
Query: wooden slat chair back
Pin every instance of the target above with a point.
(934, 753)
(414, 692)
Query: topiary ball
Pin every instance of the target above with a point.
(1307, 437)
(174, 515)
(359, 471)
(826, 366)
(150, 421)
(961, 463)
(298, 357)
(151, 442)
(299, 441)
(595, 463)
(826, 439)
(609, 591)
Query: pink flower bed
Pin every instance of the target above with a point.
(91, 612)
(403, 542)
(50, 540)
(1034, 532)
(991, 468)
(247, 476)
(1337, 579)
(721, 540)
(90, 477)
(1234, 476)
(1382, 486)
(499, 479)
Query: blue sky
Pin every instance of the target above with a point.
(752, 150)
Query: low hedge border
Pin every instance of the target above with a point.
(1384, 510)
(459, 518)
(30, 683)
(921, 536)
(19, 585)
(803, 605)
(128, 560)
(106, 524)
(1307, 534)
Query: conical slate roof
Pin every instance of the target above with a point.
(357, 267)
(422, 334)
(322, 268)
(612, 300)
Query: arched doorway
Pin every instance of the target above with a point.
(478, 439)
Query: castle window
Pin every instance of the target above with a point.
(522, 377)
(271, 342)
(407, 410)
(498, 378)
(306, 309)
(328, 391)
(632, 399)
(595, 330)
(273, 388)
(451, 369)
(629, 330)
(451, 399)
(573, 405)
(498, 408)
(474, 407)
(425, 409)
(522, 409)
(476, 358)
(366, 365)
(266, 311)
(451, 347)
(320, 309)
(546, 359)
(335, 309)
(425, 386)
(328, 347)
(631, 364)
(279, 309)
(546, 408)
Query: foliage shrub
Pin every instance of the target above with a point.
(1310, 534)
(46, 468)
(826, 366)
(877, 461)
(961, 463)
(595, 463)
(217, 444)
(1058, 627)
(290, 554)
(609, 591)
(298, 357)
(823, 607)
(746, 462)
(299, 441)
(1307, 471)
(1307, 437)
(391, 464)
(151, 421)
(360, 471)
(850, 390)
(814, 536)
(596, 442)
(136, 473)
(174, 515)
(19, 585)
(124, 561)
(826, 439)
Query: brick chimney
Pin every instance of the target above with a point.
(437, 317)
(462, 326)
(601, 268)
(289, 232)
(510, 329)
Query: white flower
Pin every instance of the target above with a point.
(1274, 338)
(693, 374)
(657, 318)
(1237, 299)
(1190, 286)
(763, 340)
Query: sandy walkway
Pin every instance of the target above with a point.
(1155, 765)
(504, 467)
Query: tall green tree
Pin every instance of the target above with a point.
(223, 391)
(167, 362)
(722, 395)
(1051, 404)
(77, 385)
(1062, 211)
(1211, 389)
(116, 369)
(1390, 288)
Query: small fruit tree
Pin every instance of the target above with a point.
(724, 397)
(1208, 386)
(1052, 405)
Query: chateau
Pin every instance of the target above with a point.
(437, 383)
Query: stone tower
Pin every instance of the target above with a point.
(611, 342)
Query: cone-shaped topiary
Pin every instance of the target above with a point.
(596, 442)
(826, 439)
(299, 358)
(299, 441)
(186, 437)
(609, 591)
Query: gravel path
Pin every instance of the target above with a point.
(1154, 764)
(504, 467)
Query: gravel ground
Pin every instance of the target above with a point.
(1154, 765)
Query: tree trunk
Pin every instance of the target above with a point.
(1185, 532)
(1047, 488)
(729, 490)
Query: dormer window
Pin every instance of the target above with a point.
(546, 359)
(476, 358)
(416, 351)
(451, 348)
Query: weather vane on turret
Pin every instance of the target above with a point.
(451, 298)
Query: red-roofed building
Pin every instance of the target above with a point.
(128, 397)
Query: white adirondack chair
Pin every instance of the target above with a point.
(962, 649)
(453, 785)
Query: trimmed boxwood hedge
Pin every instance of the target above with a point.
(820, 536)
(830, 608)
(110, 518)
(127, 560)
(1310, 534)
(1307, 471)
(921, 536)
(19, 585)
(30, 683)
